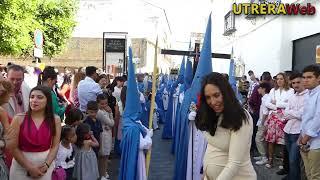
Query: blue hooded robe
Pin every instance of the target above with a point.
(167, 132)
(131, 129)
(204, 68)
(188, 74)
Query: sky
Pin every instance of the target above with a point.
(184, 16)
(136, 17)
(188, 16)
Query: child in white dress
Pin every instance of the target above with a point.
(65, 155)
(105, 116)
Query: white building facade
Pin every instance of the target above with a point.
(267, 42)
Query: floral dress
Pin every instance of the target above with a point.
(274, 125)
(75, 98)
(275, 122)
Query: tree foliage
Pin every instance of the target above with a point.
(19, 20)
(16, 24)
(57, 19)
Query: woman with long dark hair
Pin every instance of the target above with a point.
(66, 88)
(49, 78)
(227, 128)
(38, 137)
(74, 88)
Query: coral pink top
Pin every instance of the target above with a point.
(32, 139)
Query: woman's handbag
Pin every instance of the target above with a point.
(59, 174)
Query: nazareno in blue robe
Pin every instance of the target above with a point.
(167, 128)
(131, 129)
(130, 149)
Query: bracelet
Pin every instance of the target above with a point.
(47, 165)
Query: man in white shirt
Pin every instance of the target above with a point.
(309, 139)
(293, 114)
(88, 89)
(264, 89)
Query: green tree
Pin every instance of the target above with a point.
(16, 24)
(57, 18)
(19, 20)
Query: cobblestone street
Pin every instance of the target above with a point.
(162, 162)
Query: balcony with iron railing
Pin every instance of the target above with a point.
(229, 24)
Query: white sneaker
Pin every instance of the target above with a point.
(280, 167)
(107, 175)
(103, 178)
(268, 166)
(257, 158)
(263, 161)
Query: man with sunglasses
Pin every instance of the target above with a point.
(19, 101)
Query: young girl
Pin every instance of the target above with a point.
(65, 156)
(86, 167)
(105, 116)
(73, 117)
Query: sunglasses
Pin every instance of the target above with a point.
(19, 99)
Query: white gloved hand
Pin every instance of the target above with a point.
(150, 132)
(192, 116)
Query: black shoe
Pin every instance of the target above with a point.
(282, 172)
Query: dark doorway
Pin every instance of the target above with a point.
(304, 51)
